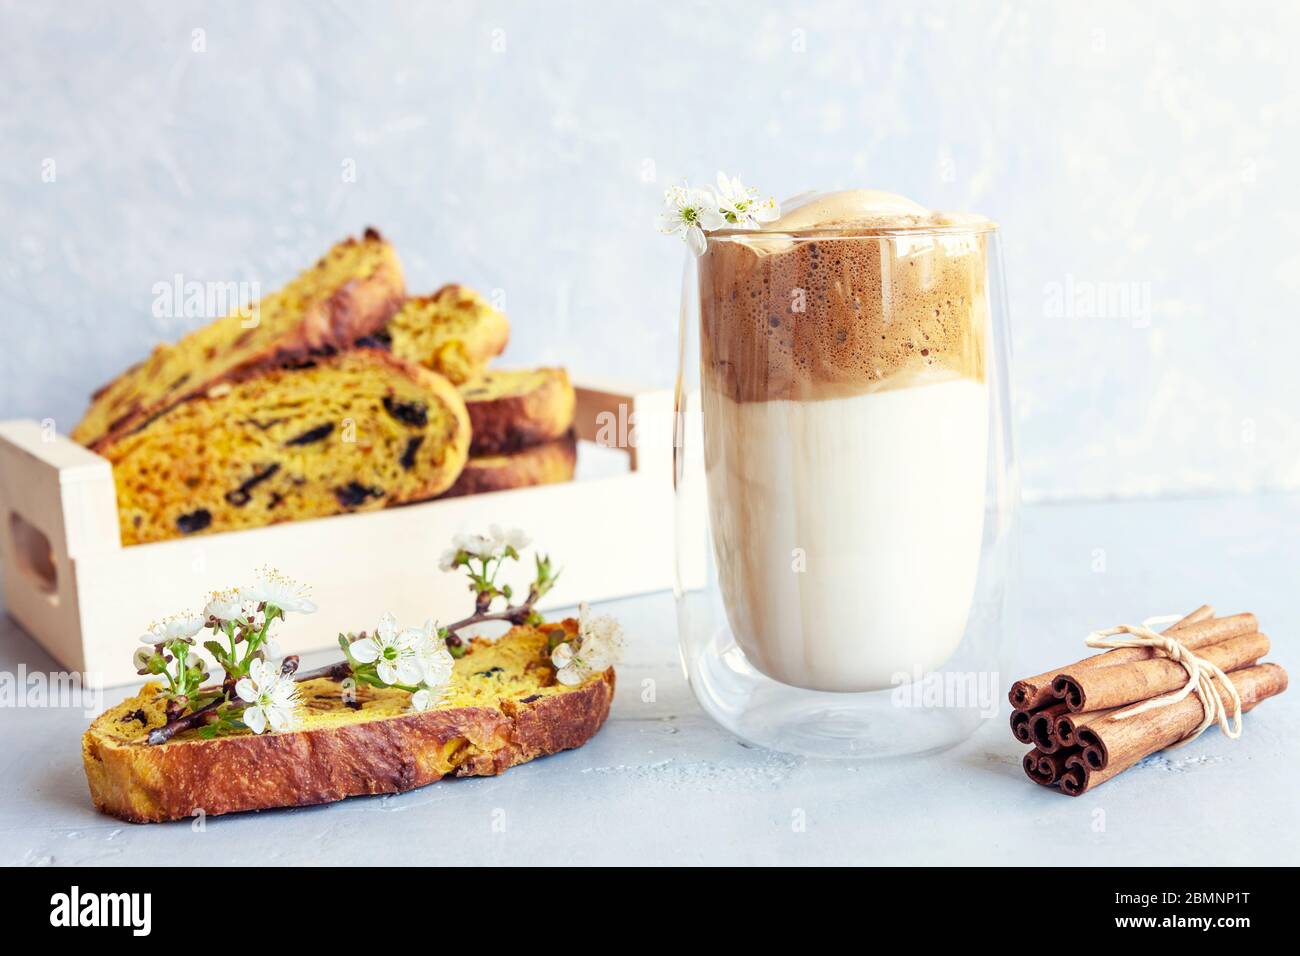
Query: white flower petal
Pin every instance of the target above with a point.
(365, 651)
(671, 225)
(408, 670)
(272, 587)
(254, 719)
(562, 655)
(280, 717)
(246, 689)
(263, 674)
(435, 661)
(387, 672)
(696, 241)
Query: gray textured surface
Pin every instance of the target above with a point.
(661, 784)
(523, 147)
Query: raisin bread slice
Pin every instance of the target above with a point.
(354, 431)
(349, 293)
(545, 464)
(454, 332)
(503, 708)
(512, 409)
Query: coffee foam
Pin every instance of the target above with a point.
(848, 313)
(850, 208)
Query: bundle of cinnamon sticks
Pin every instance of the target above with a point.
(1075, 717)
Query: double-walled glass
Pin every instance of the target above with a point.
(843, 411)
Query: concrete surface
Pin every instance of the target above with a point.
(662, 785)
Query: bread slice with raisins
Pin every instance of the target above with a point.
(545, 464)
(511, 409)
(454, 332)
(503, 708)
(351, 292)
(354, 431)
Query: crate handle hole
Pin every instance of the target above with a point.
(34, 555)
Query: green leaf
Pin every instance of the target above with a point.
(218, 653)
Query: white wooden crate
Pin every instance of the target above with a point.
(85, 598)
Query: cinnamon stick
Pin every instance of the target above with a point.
(1098, 688)
(1033, 692)
(1030, 765)
(1042, 727)
(1048, 768)
(1112, 746)
(1068, 725)
(1020, 725)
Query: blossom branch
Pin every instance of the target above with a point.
(417, 660)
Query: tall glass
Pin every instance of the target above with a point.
(843, 410)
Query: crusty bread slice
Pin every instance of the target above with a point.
(349, 293)
(545, 464)
(454, 332)
(353, 431)
(503, 708)
(512, 409)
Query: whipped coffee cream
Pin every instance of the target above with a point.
(861, 305)
(846, 420)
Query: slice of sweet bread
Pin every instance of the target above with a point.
(454, 332)
(354, 431)
(512, 409)
(503, 708)
(545, 464)
(349, 293)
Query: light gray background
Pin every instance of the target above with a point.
(523, 148)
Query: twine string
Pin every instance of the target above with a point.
(1201, 675)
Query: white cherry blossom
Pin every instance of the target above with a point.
(743, 207)
(181, 626)
(394, 653)
(236, 607)
(503, 538)
(689, 213)
(272, 587)
(475, 545)
(273, 698)
(599, 646)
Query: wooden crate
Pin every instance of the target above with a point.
(86, 599)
